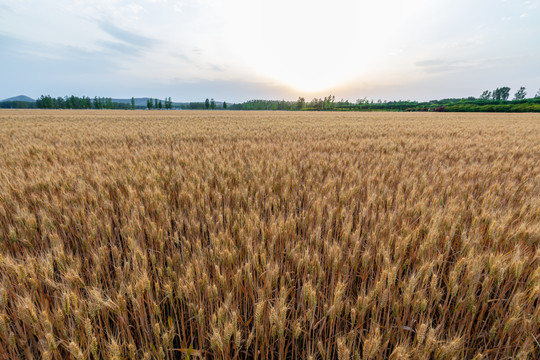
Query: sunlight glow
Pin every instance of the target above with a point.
(311, 46)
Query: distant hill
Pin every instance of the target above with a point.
(19, 98)
(138, 101)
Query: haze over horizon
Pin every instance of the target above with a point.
(240, 49)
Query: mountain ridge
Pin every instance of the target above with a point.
(19, 98)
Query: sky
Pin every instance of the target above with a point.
(238, 50)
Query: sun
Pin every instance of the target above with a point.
(308, 66)
(308, 71)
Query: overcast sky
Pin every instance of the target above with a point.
(245, 49)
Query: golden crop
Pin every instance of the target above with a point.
(232, 235)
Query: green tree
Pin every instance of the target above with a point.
(317, 104)
(212, 104)
(329, 102)
(501, 93)
(45, 102)
(160, 105)
(224, 105)
(362, 101)
(520, 94)
(505, 93)
(132, 103)
(150, 103)
(300, 103)
(207, 104)
(156, 103)
(486, 95)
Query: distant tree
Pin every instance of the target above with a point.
(537, 94)
(520, 94)
(59, 103)
(44, 102)
(97, 103)
(168, 103)
(300, 103)
(329, 102)
(501, 93)
(88, 103)
(362, 101)
(207, 103)
(224, 105)
(156, 103)
(132, 103)
(160, 105)
(150, 103)
(212, 104)
(75, 102)
(317, 104)
(505, 93)
(486, 95)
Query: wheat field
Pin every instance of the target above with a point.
(269, 235)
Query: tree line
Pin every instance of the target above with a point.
(318, 104)
(496, 100)
(489, 101)
(17, 104)
(85, 102)
(75, 102)
(158, 104)
(504, 92)
(208, 104)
